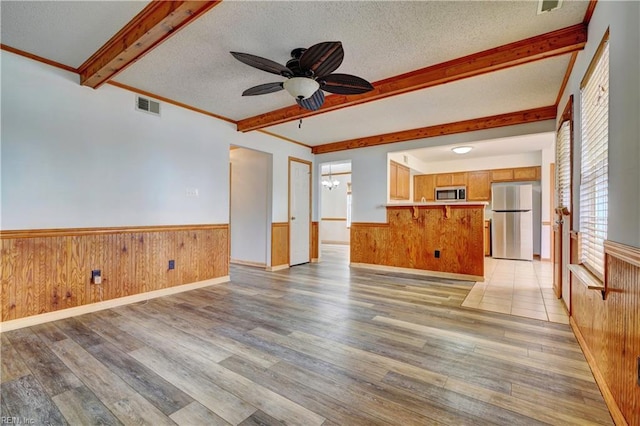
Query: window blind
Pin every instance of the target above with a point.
(594, 156)
(563, 165)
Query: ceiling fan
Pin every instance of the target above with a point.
(308, 73)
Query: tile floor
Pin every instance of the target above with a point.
(512, 287)
(518, 288)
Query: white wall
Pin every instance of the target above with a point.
(78, 157)
(623, 20)
(72, 156)
(412, 162)
(250, 206)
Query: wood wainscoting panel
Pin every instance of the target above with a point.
(45, 270)
(369, 243)
(279, 244)
(610, 330)
(413, 234)
(315, 241)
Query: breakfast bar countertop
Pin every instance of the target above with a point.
(438, 203)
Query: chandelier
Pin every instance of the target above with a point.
(330, 183)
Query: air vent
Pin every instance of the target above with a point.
(548, 5)
(147, 105)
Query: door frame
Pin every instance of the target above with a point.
(310, 164)
(267, 217)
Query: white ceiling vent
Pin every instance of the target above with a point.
(147, 105)
(548, 5)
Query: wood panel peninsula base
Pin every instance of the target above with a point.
(439, 239)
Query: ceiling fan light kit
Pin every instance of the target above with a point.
(301, 87)
(308, 73)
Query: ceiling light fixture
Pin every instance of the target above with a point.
(330, 183)
(301, 87)
(461, 149)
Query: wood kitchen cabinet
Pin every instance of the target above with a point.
(478, 182)
(443, 179)
(516, 174)
(459, 179)
(479, 186)
(399, 181)
(404, 178)
(424, 186)
(502, 175)
(451, 179)
(526, 173)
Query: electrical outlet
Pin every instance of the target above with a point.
(172, 264)
(96, 276)
(436, 254)
(192, 192)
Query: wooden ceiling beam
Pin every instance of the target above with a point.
(494, 121)
(153, 25)
(543, 46)
(590, 9)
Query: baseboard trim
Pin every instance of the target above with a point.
(315, 260)
(248, 263)
(612, 405)
(418, 272)
(107, 304)
(277, 268)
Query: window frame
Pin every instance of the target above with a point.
(598, 270)
(567, 116)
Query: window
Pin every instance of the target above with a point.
(594, 160)
(563, 158)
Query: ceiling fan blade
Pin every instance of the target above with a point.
(263, 89)
(314, 102)
(345, 84)
(322, 58)
(262, 63)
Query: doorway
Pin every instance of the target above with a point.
(335, 206)
(249, 207)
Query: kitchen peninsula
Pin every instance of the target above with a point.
(443, 238)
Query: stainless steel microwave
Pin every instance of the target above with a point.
(451, 193)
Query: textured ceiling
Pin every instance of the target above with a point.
(68, 32)
(381, 39)
(535, 84)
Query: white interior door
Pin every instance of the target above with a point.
(299, 212)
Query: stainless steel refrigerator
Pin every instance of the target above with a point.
(512, 224)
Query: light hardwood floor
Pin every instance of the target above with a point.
(315, 344)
